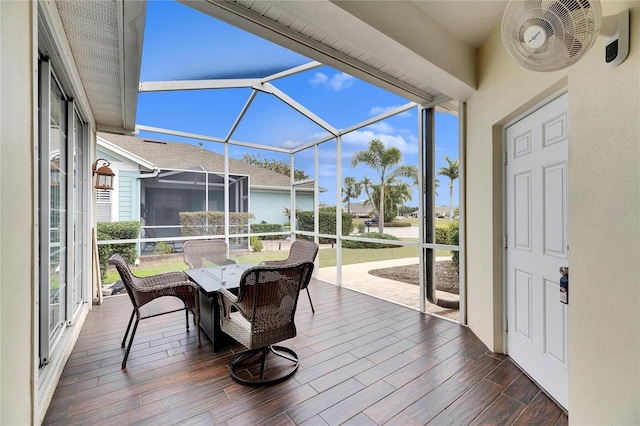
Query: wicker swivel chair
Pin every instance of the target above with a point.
(261, 315)
(300, 250)
(146, 292)
(197, 252)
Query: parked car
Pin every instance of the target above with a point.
(372, 221)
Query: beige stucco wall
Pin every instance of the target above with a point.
(604, 216)
(16, 213)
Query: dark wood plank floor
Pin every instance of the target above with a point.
(364, 361)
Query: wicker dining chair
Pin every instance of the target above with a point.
(195, 252)
(300, 250)
(146, 292)
(260, 315)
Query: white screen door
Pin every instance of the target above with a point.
(537, 245)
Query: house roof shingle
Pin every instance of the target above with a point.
(183, 156)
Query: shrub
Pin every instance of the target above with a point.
(256, 244)
(258, 228)
(360, 227)
(453, 238)
(366, 244)
(212, 223)
(162, 248)
(397, 224)
(442, 235)
(327, 222)
(117, 231)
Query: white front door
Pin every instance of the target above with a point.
(537, 245)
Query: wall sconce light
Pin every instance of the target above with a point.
(104, 175)
(54, 168)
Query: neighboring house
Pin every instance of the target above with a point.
(442, 211)
(156, 180)
(70, 68)
(360, 209)
(364, 209)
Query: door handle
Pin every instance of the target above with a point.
(564, 284)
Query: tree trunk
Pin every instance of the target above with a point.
(381, 209)
(451, 201)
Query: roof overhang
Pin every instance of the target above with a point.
(394, 45)
(105, 38)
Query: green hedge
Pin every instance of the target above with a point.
(258, 228)
(442, 235)
(327, 222)
(453, 238)
(212, 223)
(372, 245)
(255, 243)
(117, 231)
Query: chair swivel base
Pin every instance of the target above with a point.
(238, 365)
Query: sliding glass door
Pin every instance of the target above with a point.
(61, 216)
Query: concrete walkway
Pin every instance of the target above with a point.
(357, 277)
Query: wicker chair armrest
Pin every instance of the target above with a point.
(168, 285)
(226, 300)
(275, 262)
(181, 289)
(166, 278)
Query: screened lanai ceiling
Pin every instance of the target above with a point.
(421, 51)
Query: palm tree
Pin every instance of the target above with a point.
(370, 190)
(351, 189)
(399, 194)
(386, 162)
(451, 171)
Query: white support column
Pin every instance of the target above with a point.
(226, 193)
(421, 188)
(316, 191)
(462, 254)
(292, 198)
(339, 210)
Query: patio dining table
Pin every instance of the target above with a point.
(210, 280)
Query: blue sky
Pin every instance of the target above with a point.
(183, 44)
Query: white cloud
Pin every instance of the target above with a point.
(289, 144)
(327, 170)
(382, 127)
(337, 83)
(319, 79)
(360, 139)
(318, 135)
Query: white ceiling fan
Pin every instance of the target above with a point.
(548, 35)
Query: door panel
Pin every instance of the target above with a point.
(536, 176)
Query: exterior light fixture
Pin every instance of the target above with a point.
(104, 175)
(55, 171)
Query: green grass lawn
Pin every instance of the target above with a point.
(327, 257)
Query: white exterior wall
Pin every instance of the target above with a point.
(604, 216)
(25, 389)
(17, 212)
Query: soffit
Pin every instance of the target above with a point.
(105, 38)
(416, 49)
